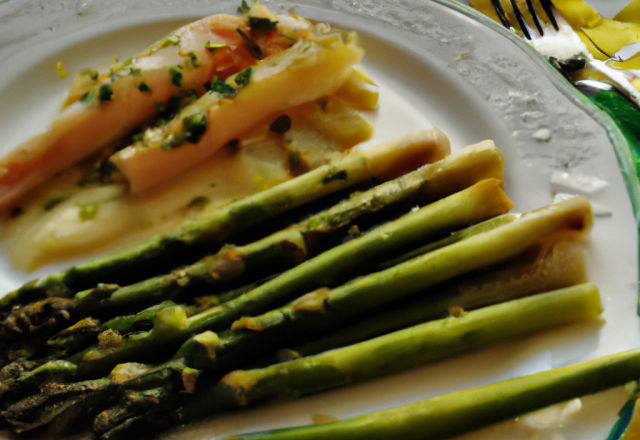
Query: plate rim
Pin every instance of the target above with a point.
(618, 141)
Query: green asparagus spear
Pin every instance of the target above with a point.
(396, 351)
(385, 161)
(172, 327)
(453, 414)
(274, 254)
(484, 226)
(562, 267)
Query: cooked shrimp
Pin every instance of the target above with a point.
(102, 109)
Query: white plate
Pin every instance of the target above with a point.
(436, 63)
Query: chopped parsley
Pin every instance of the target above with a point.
(137, 137)
(323, 104)
(244, 7)
(88, 211)
(169, 41)
(340, 175)
(193, 59)
(194, 127)
(242, 79)
(143, 87)
(176, 76)
(262, 24)
(191, 93)
(93, 74)
(134, 72)
(87, 97)
(281, 125)
(220, 86)
(105, 92)
(215, 44)
(167, 110)
(102, 175)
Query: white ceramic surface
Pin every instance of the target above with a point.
(435, 65)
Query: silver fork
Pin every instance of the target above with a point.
(619, 79)
(546, 6)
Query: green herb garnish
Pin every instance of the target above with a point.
(159, 106)
(87, 97)
(173, 40)
(215, 44)
(137, 137)
(100, 176)
(262, 24)
(176, 76)
(93, 74)
(105, 92)
(220, 86)
(143, 87)
(134, 72)
(172, 107)
(88, 211)
(193, 59)
(244, 7)
(194, 127)
(281, 125)
(242, 79)
(191, 93)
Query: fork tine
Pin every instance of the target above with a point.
(520, 18)
(498, 7)
(546, 5)
(534, 14)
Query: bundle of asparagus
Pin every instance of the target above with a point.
(83, 354)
